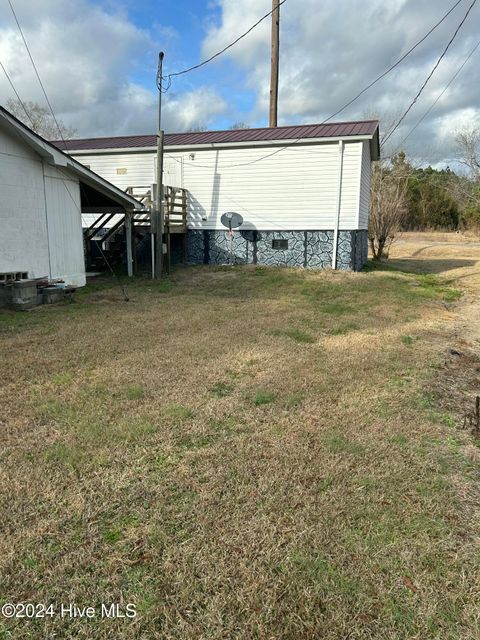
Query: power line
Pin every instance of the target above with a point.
(27, 113)
(59, 169)
(452, 79)
(371, 84)
(392, 131)
(36, 72)
(391, 68)
(395, 64)
(385, 73)
(219, 53)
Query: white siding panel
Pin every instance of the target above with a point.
(40, 227)
(64, 227)
(365, 187)
(23, 235)
(295, 188)
(139, 167)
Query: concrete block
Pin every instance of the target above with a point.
(51, 295)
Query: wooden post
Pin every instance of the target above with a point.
(134, 247)
(128, 240)
(274, 64)
(153, 227)
(160, 222)
(170, 203)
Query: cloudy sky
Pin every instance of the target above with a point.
(98, 58)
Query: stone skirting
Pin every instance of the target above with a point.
(310, 249)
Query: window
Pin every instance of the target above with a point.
(279, 244)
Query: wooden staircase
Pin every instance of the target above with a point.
(105, 239)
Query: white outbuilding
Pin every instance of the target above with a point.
(44, 193)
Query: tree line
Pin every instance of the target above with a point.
(405, 197)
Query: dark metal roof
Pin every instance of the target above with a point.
(300, 132)
(85, 175)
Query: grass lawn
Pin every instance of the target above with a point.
(241, 452)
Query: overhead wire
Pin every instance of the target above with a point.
(371, 84)
(420, 91)
(121, 285)
(290, 144)
(27, 113)
(36, 71)
(366, 88)
(437, 99)
(219, 53)
(397, 63)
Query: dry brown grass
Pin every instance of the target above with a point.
(243, 453)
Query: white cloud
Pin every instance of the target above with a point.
(91, 58)
(331, 50)
(87, 58)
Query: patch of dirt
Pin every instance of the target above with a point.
(457, 259)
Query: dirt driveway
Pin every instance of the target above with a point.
(456, 258)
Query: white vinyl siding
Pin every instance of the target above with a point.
(293, 189)
(40, 223)
(65, 238)
(23, 235)
(139, 166)
(365, 179)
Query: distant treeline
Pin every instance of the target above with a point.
(438, 199)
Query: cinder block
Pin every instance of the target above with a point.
(51, 295)
(5, 295)
(24, 294)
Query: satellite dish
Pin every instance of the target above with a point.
(231, 220)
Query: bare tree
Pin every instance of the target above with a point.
(197, 128)
(388, 205)
(239, 125)
(40, 120)
(468, 146)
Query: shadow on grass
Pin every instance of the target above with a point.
(420, 266)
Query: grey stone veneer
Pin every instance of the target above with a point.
(311, 249)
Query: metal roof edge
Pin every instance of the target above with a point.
(59, 158)
(225, 145)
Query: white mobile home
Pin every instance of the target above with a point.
(303, 191)
(44, 193)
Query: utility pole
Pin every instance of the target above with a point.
(159, 213)
(275, 56)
